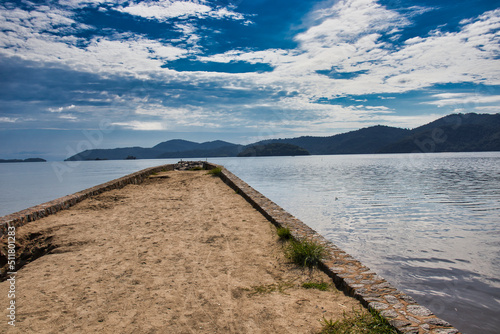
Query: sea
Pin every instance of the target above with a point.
(428, 223)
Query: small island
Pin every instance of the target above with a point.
(274, 149)
(21, 160)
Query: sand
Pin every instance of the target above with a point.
(180, 253)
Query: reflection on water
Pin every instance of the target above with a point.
(429, 223)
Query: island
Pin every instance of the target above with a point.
(274, 149)
(23, 160)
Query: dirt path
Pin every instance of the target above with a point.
(180, 253)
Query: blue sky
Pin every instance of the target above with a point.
(104, 74)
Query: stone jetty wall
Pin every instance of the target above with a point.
(349, 275)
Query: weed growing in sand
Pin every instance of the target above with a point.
(284, 233)
(196, 168)
(268, 288)
(323, 286)
(359, 323)
(217, 171)
(305, 253)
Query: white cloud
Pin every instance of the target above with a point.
(133, 55)
(347, 20)
(273, 57)
(8, 119)
(46, 35)
(168, 9)
(141, 126)
(488, 109)
(470, 99)
(348, 37)
(61, 109)
(23, 23)
(72, 118)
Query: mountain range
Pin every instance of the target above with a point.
(453, 133)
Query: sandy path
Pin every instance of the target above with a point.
(181, 254)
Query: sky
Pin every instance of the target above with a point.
(83, 74)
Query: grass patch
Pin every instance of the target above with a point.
(323, 286)
(196, 168)
(305, 253)
(359, 323)
(284, 233)
(217, 171)
(269, 288)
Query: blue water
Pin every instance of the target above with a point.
(428, 223)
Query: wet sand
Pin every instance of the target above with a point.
(179, 253)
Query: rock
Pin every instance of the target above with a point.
(378, 306)
(445, 331)
(419, 311)
(391, 299)
(438, 322)
(389, 314)
(189, 165)
(398, 323)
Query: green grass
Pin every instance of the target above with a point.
(305, 253)
(196, 168)
(359, 323)
(269, 288)
(284, 233)
(323, 286)
(217, 171)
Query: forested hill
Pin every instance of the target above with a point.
(274, 149)
(363, 141)
(453, 133)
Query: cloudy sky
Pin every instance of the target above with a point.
(117, 73)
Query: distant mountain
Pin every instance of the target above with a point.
(453, 133)
(116, 154)
(21, 160)
(176, 145)
(274, 149)
(175, 148)
(363, 141)
(229, 150)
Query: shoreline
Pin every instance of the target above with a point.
(348, 274)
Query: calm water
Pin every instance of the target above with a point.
(428, 223)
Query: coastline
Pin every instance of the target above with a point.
(347, 273)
